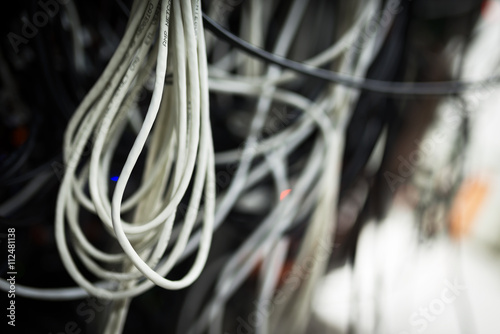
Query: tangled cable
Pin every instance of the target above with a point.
(163, 206)
(180, 148)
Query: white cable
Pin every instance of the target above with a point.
(187, 106)
(176, 142)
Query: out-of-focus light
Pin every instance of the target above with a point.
(284, 193)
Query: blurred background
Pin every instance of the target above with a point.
(414, 231)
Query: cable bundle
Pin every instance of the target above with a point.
(314, 188)
(179, 139)
(278, 187)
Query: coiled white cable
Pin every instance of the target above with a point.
(176, 142)
(181, 141)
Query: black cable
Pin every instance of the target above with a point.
(373, 112)
(386, 87)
